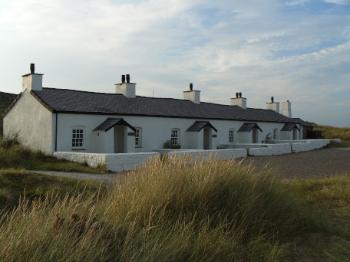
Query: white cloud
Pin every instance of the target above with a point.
(223, 47)
(338, 2)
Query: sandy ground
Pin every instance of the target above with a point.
(324, 162)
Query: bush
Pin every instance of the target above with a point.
(170, 210)
(169, 145)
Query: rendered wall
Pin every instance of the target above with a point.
(130, 161)
(113, 162)
(32, 123)
(222, 154)
(155, 132)
(271, 150)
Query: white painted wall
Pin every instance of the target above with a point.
(221, 154)
(270, 150)
(130, 161)
(155, 132)
(32, 123)
(113, 162)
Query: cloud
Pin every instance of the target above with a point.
(260, 48)
(338, 2)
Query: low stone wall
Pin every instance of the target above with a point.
(271, 150)
(91, 159)
(222, 154)
(309, 145)
(128, 161)
(113, 162)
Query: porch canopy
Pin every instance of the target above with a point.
(112, 122)
(199, 125)
(247, 127)
(289, 127)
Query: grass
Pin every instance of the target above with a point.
(13, 155)
(342, 144)
(16, 185)
(334, 132)
(175, 211)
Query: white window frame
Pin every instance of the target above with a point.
(175, 140)
(231, 136)
(138, 137)
(77, 142)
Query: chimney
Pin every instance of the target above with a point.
(286, 108)
(272, 105)
(192, 95)
(125, 87)
(239, 101)
(32, 81)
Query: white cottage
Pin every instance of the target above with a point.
(50, 120)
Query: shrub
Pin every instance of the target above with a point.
(169, 145)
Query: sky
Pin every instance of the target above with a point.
(290, 49)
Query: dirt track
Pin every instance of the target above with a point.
(325, 162)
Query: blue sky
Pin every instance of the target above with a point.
(290, 49)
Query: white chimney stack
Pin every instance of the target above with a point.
(286, 108)
(239, 101)
(125, 87)
(32, 81)
(192, 95)
(274, 106)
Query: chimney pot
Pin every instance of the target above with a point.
(32, 68)
(272, 99)
(123, 78)
(128, 78)
(191, 86)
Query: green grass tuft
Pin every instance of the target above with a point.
(13, 155)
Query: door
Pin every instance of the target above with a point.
(295, 134)
(255, 135)
(206, 138)
(119, 139)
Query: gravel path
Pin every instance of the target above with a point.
(325, 162)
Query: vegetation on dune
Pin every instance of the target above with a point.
(334, 132)
(171, 210)
(13, 155)
(16, 185)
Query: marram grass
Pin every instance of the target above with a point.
(169, 210)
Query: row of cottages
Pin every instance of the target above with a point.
(49, 120)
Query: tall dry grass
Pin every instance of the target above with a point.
(334, 132)
(166, 211)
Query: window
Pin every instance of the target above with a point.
(275, 134)
(77, 138)
(175, 136)
(138, 137)
(231, 136)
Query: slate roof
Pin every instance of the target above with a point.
(289, 127)
(73, 101)
(247, 127)
(199, 125)
(111, 122)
